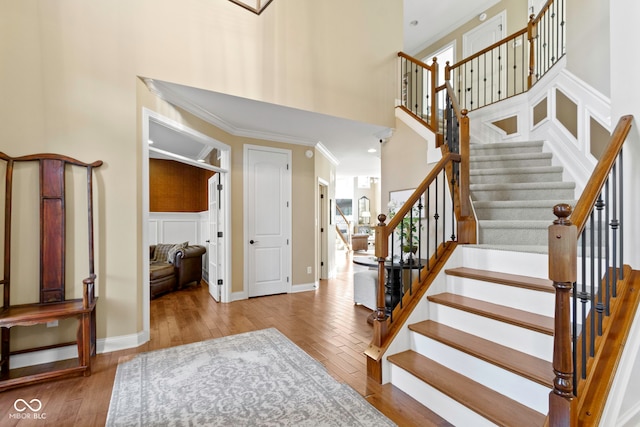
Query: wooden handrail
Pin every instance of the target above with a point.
(599, 176)
(415, 61)
(543, 10)
(347, 239)
(406, 207)
(564, 235)
(490, 48)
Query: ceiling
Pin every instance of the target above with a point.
(345, 142)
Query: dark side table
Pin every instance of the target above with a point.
(393, 288)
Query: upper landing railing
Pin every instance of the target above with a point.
(505, 69)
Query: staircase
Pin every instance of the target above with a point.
(514, 188)
(482, 353)
(482, 356)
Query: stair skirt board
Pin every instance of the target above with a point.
(518, 388)
(446, 407)
(523, 299)
(521, 339)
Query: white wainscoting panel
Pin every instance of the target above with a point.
(174, 227)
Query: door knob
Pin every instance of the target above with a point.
(253, 241)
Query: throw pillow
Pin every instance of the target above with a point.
(171, 255)
(161, 252)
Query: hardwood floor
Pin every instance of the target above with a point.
(325, 323)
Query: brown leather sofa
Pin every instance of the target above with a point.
(173, 266)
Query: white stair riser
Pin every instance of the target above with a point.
(523, 299)
(446, 407)
(520, 389)
(521, 339)
(526, 264)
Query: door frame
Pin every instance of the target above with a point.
(245, 216)
(224, 169)
(324, 213)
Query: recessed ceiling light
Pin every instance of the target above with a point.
(371, 150)
(413, 23)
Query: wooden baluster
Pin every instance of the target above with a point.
(563, 237)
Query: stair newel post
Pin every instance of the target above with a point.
(382, 252)
(531, 34)
(466, 222)
(432, 93)
(563, 236)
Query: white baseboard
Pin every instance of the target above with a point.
(104, 345)
(304, 287)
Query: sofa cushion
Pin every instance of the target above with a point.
(160, 270)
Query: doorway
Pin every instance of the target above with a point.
(267, 220)
(223, 203)
(324, 220)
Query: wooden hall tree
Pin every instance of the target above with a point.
(53, 304)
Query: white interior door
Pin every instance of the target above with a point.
(489, 68)
(213, 249)
(268, 220)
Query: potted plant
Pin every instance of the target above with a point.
(407, 230)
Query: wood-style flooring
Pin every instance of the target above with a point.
(325, 323)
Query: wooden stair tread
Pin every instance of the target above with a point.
(490, 404)
(534, 283)
(525, 365)
(524, 319)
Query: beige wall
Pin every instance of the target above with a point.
(70, 84)
(404, 164)
(588, 50)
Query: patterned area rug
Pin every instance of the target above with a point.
(253, 379)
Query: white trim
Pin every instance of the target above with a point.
(611, 414)
(225, 165)
(303, 287)
(325, 151)
(209, 117)
(103, 345)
